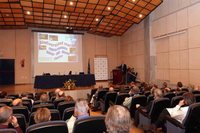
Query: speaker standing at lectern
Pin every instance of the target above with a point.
(123, 67)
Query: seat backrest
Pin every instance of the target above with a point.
(196, 92)
(27, 104)
(11, 97)
(150, 98)
(14, 95)
(93, 91)
(27, 100)
(6, 101)
(185, 89)
(175, 100)
(51, 93)
(21, 121)
(120, 98)
(55, 116)
(192, 118)
(48, 127)
(57, 101)
(180, 93)
(170, 95)
(8, 131)
(91, 124)
(36, 102)
(110, 96)
(2, 104)
(30, 95)
(101, 94)
(48, 105)
(53, 99)
(21, 110)
(197, 97)
(147, 93)
(139, 99)
(157, 107)
(64, 105)
(68, 112)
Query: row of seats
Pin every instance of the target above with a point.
(91, 124)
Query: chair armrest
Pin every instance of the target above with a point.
(101, 100)
(174, 122)
(111, 103)
(144, 113)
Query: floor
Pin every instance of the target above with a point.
(18, 89)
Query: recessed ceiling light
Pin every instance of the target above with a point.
(71, 3)
(7, 15)
(65, 16)
(97, 19)
(28, 12)
(133, 0)
(108, 8)
(140, 15)
(47, 14)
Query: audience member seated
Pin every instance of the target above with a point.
(44, 99)
(25, 95)
(118, 120)
(179, 87)
(56, 93)
(179, 112)
(157, 94)
(96, 103)
(61, 95)
(6, 118)
(191, 87)
(164, 85)
(122, 89)
(154, 87)
(3, 96)
(80, 111)
(42, 115)
(17, 102)
(133, 92)
(69, 98)
(39, 95)
(96, 93)
(166, 90)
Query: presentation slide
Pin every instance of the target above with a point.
(57, 48)
(57, 53)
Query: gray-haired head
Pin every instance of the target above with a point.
(81, 106)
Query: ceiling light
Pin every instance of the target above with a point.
(65, 16)
(28, 12)
(108, 8)
(71, 3)
(7, 15)
(140, 15)
(133, 0)
(47, 14)
(97, 19)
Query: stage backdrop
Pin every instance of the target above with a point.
(101, 68)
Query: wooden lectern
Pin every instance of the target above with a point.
(117, 76)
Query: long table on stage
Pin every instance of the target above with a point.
(56, 81)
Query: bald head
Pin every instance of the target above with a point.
(57, 91)
(158, 93)
(17, 102)
(111, 89)
(61, 94)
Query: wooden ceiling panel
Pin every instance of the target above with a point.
(99, 17)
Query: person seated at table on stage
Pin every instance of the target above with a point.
(56, 92)
(133, 92)
(44, 99)
(25, 95)
(80, 111)
(42, 115)
(17, 102)
(6, 118)
(3, 96)
(118, 120)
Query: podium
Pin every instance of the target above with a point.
(117, 76)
